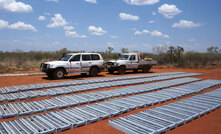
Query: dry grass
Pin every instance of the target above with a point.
(30, 61)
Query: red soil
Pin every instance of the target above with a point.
(210, 123)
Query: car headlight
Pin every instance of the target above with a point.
(51, 66)
(48, 66)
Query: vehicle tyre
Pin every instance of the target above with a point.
(110, 71)
(59, 73)
(83, 74)
(121, 70)
(146, 69)
(50, 74)
(93, 71)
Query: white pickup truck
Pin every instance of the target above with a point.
(129, 61)
(83, 63)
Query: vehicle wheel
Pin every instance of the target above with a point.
(146, 69)
(83, 74)
(93, 71)
(50, 74)
(110, 71)
(59, 73)
(121, 70)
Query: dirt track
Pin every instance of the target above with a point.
(210, 123)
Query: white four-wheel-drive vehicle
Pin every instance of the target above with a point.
(83, 63)
(129, 61)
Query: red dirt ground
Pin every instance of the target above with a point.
(210, 123)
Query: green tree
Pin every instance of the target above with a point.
(124, 50)
(213, 49)
(110, 49)
(179, 51)
(171, 53)
(216, 49)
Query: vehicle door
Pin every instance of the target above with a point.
(85, 62)
(128, 63)
(133, 61)
(75, 63)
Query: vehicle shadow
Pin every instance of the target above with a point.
(73, 77)
(79, 77)
(139, 72)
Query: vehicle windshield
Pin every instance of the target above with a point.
(123, 57)
(65, 58)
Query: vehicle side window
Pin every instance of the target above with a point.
(86, 58)
(132, 57)
(95, 57)
(76, 58)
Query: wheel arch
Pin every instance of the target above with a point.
(95, 67)
(62, 68)
(123, 66)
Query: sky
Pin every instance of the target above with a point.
(95, 25)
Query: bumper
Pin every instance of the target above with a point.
(45, 69)
(112, 67)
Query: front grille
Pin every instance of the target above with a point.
(43, 66)
(110, 63)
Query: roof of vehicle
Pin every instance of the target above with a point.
(81, 53)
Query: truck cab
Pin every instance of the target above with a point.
(82, 63)
(129, 61)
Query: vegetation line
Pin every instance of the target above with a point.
(168, 56)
